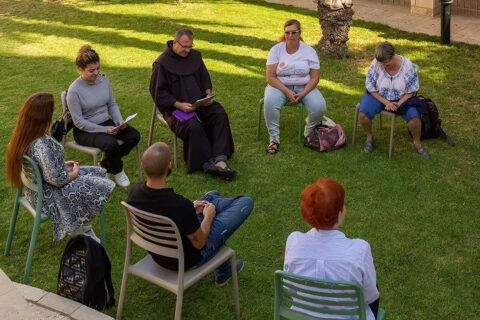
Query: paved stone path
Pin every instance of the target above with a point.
(462, 29)
(21, 302)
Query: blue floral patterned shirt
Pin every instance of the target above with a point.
(393, 87)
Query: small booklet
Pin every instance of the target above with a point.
(202, 102)
(130, 117)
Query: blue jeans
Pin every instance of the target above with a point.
(371, 107)
(230, 214)
(274, 100)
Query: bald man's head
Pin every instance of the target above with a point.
(156, 159)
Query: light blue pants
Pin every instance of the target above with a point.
(274, 100)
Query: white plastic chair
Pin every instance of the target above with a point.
(160, 235)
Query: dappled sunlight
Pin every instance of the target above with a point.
(230, 69)
(340, 88)
(39, 43)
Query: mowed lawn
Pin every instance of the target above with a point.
(420, 217)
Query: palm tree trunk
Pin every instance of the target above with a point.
(335, 26)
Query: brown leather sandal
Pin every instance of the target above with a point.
(272, 148)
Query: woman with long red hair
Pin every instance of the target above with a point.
(73, 195)
(325, 252)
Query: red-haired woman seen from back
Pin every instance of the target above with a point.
(72, 195)
(324, 252)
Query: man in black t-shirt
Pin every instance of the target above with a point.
(205, 225)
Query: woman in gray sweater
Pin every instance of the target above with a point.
(96, 116)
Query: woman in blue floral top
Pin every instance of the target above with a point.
(392, 84)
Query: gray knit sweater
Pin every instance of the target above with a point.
(92, 103)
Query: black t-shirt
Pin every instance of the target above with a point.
(167, 203)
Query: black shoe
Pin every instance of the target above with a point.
(221, 279)
(226, 173)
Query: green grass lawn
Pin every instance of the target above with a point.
(421, 218)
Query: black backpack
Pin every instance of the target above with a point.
(85, 274)
(431, 123)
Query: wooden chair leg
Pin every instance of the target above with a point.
(95, 159)
(259, 119)
(31, 248)
(392, 128)
(13, 223)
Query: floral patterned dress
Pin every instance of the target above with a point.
(69, 204)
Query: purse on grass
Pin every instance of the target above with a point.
(326, 136)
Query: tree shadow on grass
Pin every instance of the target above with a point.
(70, 15)
(21, 31)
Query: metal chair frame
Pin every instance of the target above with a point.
(301, 119)
(156, 115)
(389, 114)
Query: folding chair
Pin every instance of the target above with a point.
(392, 116)
(160, 235)
(296, 295)
(32, 179)
(94, 152)
(301, 119)
(156, 115)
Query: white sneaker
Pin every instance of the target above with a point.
(121, 179)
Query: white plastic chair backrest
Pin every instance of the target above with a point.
(154, 233)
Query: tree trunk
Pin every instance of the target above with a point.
(335, 26)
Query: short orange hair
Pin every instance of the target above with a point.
(321, 202)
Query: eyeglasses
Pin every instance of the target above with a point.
(185, 47)
(291, 33)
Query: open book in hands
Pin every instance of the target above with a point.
(202, 102)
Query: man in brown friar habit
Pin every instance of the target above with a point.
(179, 79)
